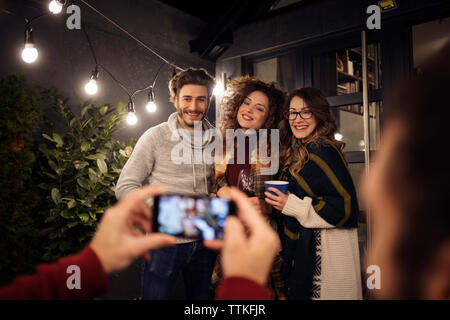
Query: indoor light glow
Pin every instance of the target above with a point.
(218, 89)
(338, 136)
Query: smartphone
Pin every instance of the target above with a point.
(191, 217)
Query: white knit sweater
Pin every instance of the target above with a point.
(340, 277)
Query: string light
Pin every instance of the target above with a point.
(151, 105)
(55, 6)
(29, 53)
(338, 136)
(131, 117)
(91, 87)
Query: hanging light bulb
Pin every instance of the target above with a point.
(131, 117)
(29, 53)
(338, 136)
(151, 105)
(91, 87)
(55, 6)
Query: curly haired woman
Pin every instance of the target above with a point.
(320, 214)
(250, 105)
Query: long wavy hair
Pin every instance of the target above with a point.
(238, 90)
(293, 151)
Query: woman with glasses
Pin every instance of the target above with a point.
(318, 227)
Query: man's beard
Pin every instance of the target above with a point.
(181, 114)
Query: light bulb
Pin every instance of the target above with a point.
(91, 87)
(29, 53)
(131, 118)
(338, 136)
(151, 106)
(55, 7)
(218, 89)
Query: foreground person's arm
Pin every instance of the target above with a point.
(114, 246)
(247, 253)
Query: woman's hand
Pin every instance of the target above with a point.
(278, 201)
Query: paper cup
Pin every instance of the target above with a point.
(283, 186)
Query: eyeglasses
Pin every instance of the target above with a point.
(304, 114)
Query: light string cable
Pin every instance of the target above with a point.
(151, 86)
(132, 36)
(97, 65)
(27, 21)
(30, 52)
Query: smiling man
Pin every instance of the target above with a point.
(151, 163)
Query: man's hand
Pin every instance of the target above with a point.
(123, 233)
(247, 252)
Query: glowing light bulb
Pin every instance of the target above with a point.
(55, 7)
(91, 87)
(338, 136)
(151, 106)
(29, 53)
(131, 118)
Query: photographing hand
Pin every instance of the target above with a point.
(122, 234)
(247, 252)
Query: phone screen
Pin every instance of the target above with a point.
(191, 217)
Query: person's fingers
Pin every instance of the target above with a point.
(142, 222)
(271, 196)
(137, 198)
(146, 243)
(234, 233)
(271, 202)
(213, 244)
(278, 192)
(246, 211)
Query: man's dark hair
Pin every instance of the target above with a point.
(190, 76)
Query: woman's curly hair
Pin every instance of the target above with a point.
(239, 89)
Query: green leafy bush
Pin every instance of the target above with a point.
(82, 163)
(20, 238)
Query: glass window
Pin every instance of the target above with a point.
(279, 69)
(350, 124)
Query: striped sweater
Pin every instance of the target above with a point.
(319, 229)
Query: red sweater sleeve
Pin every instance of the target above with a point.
(51, 281)
(238, 288)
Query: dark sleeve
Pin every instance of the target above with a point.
(52, 281)
(238, 288)
(335, 198)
